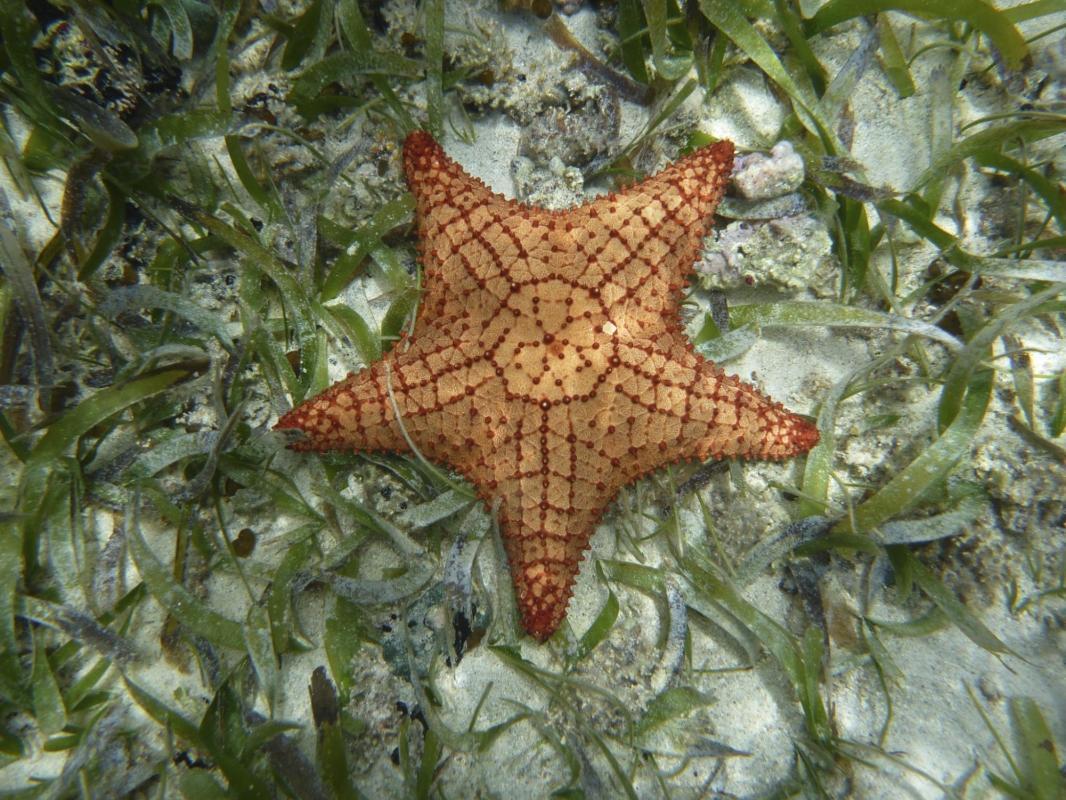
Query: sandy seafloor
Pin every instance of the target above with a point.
(935, 729)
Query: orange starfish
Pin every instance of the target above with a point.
(548, 364)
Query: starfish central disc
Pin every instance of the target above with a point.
(548, 365)
(549, 343)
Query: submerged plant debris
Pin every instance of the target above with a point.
(204, 222)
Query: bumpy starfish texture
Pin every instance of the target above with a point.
(548, 364)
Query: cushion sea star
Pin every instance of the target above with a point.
(548, 364)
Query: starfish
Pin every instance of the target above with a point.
(548, 365)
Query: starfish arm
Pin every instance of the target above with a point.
(352, 414)
(449, 401)
(543, 561)
(551, 494)
(640, 244)
(440, 390)
(738, 421)
(464, 233)
(671, 407)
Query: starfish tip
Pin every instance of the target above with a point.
(418, 144)
(806, 435)
(288, 421)
(541, 624)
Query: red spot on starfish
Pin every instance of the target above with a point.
(548, 364)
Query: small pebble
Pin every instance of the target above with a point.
(759, 176)
(569, 6)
